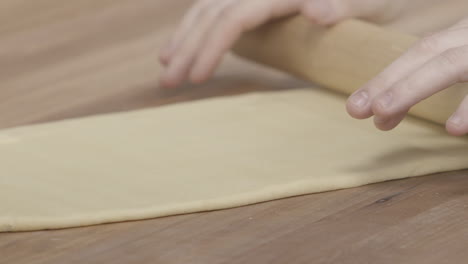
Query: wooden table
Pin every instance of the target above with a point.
(68, 59)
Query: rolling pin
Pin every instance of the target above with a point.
(341, 58)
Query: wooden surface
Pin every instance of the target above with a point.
(93, 56)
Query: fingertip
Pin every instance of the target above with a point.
(201, 73)
(389, 123)
(165, 54)
(383, 124)
(382, 106)
(357, 105)
(455, 128)
(455, 131)
(164, 59)
(205, 66)
(198, 78)
(177, 71)
(386, 124)
(379, 110)
(356, 112)
(319, 12)
(167, 84)
(169, 81)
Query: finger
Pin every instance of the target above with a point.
(386, 124)
(359, 104)
(457, 125)
(322, 12)
(439, 73)
(164, 57)
(327, 12)
(180, 64)
(243, 17)
(185, 26)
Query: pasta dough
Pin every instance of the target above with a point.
(199, 156)
(205, 155)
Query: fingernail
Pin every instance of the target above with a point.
(456, 120)
(360, 99)
(386, 100)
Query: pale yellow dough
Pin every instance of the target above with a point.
(206, 155)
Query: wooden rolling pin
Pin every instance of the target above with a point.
(342, 58)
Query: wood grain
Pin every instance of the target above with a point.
(86, 57)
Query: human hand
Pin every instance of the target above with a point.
(211, 27)
(433, 64)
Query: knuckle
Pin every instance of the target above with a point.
(451, 57)
(455, 61)
(431, 44)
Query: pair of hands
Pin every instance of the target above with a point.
(435, 63)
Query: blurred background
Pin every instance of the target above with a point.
(64, 59)
(68, 59)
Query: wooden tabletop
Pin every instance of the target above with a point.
(63, 60)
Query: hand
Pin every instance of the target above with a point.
(211, 27)
(435, 63)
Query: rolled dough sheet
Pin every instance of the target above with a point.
(205, 155)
